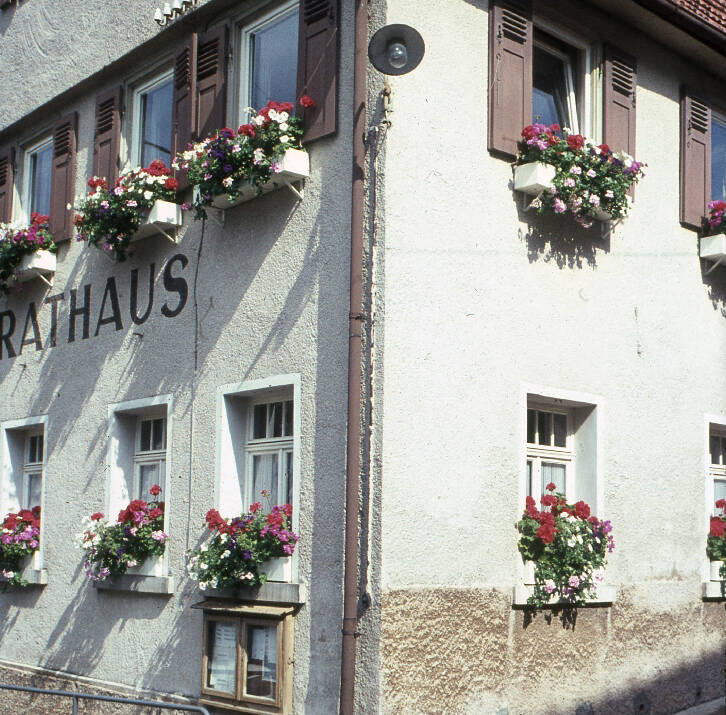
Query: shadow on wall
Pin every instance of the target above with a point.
(715, 283)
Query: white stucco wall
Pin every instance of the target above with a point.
(476, 308)
(267, 295)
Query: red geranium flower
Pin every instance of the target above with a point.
(718, 527)
(287, 509)
(171, 183)
(575, 141)
(155, 490)
(247, 129)
(721, 504)
(551, 487)
(307, 101)
(582, 510)
(97, 516)
(546, 532)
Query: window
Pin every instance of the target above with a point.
(150, 456)
(32, 470)
(268, 59)
(549, 451)
(152, 126)
(562, 445)
(246, 657)
(269, 451)
(37, 176)
(718, 158)
(717, 461)
(554, 92)
(539, 73)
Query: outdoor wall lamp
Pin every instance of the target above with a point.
(396, 49)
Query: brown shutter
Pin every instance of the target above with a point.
(695, 160)
(510, 73)
(7, 161)
(211, 84)
(63, 177)
(317, 66)
(620, 79)
(183, 109)
(108, 135)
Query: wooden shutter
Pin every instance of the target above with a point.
(620, 81)
(183, 109)
(108, 135)
(63, 177)
(317, 66)
(695, 160)
(7, 161)
(510, 73)
(211, 84)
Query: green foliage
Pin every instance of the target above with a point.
(17, 242)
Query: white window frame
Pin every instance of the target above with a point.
(137, 92)
(233, 484)
(715, 425)
(242, 65)
(29, 151)
(31, 469)
(551, 454)
(589, 119)
(13, 446)
(151, 456)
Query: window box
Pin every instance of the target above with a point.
(150, 567)
(714, 568)
(713, 248)
(294, 165)
(164, 216)
(161, 585)
(278, 569)
(522, 591)
(38, 264)
(533, 178)
(30, 573)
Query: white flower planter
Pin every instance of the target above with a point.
(528, 573)
(713, 248)
(294, 166)
(40, 263)
(278, 569)
(164, 216)
(151, 567)
(533, 178)
(714, 567)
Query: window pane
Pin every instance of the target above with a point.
(35, 449)
(553, 473)
(287, 481)
(715, 444)
(288, 419)
(529, 478)
(273, 62)
(718, 159)
(158, 433)
(149, 474)
(156, 107)
(145, 440)
(560, 424)
(32, 495)
(261, 675)
(531, 426)
(723, 451)
(549, 89)
(222, 657)
(259, 419)
(544, 427)
(40, 173)
(274, 419)
(264, 476)
(719, 492)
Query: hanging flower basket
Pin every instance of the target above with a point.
(26, 253)
(111, 219)
(590, 181)
(264, 154)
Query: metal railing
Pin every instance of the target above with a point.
(106, 698)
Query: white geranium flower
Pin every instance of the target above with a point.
(148, 195)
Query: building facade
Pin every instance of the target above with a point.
(480, 323)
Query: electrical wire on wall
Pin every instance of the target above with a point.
(193, 387)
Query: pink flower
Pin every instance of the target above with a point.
(560, 206)
(569, 181)
(549, 585)
(574, 581)
(591, 173)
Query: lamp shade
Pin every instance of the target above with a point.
(396, 49)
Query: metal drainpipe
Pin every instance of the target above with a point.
(355, 377)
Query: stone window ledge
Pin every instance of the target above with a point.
(606, 595)
(162, 585)
(34, 577)
(270, 592)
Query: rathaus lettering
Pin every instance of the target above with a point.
(77, 322)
